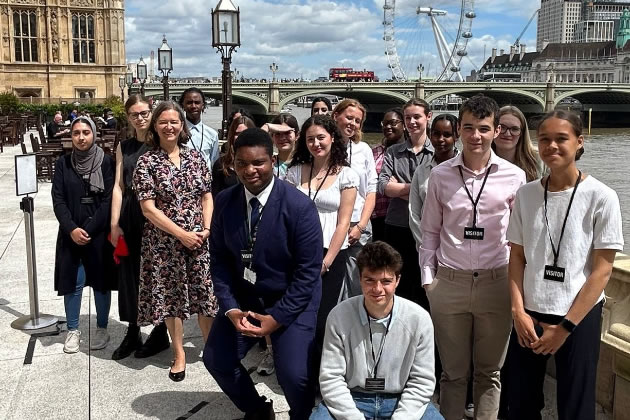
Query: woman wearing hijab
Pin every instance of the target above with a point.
(82, 193)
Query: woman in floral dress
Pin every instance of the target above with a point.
(173, 187)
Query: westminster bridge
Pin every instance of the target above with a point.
(609, 101)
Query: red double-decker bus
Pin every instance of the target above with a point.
(347, 74)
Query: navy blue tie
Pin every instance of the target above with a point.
(255, 215)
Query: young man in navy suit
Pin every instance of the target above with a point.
(266, 249)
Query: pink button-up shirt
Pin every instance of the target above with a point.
(448, 210)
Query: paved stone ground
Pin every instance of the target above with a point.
(88, 384)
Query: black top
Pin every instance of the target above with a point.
(131, 150)
(52, 129)
(72, 209)
(219, 180)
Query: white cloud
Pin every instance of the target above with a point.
(307, 37)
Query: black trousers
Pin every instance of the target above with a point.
(576, 372)
(378, 228)
(410, 286)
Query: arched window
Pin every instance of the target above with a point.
(25, 35)
(83, 46)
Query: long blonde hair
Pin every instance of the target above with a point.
(347, 103)
(526, 156)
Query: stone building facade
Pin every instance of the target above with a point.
(62, 49)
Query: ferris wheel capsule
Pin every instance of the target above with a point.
(467, 34)
(462, 53)
(471, 15)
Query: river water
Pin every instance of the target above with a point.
(606, 157)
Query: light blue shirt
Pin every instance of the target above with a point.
(204, 140)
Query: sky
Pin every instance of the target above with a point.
(307, 37)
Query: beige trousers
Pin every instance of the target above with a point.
(472, 318)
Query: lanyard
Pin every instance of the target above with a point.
(350, 161)
(474, 201)
(278, 167)
(201, 145)
(380, 351)
(556, 251)
(310, 178)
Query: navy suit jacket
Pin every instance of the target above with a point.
(287, 258)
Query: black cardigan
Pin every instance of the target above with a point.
(67, 190)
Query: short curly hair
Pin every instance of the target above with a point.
(378, 255)
(481, 106)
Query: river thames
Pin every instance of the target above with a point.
(606, 158)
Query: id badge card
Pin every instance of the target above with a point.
(474, 233)
(554, 273)
(249, 275)
(374, 384)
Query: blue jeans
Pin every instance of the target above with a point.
(375, 407)
(72, 303)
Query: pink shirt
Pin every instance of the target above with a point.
(448, 210)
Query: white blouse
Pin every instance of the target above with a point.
(328, 200)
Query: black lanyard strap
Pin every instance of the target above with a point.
(474, 201)
(310, 178)
(377, 360)
(556, 251)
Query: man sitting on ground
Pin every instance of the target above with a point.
(378, 359)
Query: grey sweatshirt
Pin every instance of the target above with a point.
(407, 361)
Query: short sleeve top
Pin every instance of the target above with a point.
(594, 222)
(328, 200)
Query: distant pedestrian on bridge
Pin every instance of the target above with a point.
(564, 231)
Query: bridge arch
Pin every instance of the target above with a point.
(504, 92)
(396, 97)
(596, 95)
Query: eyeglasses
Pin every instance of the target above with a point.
(137, 115)
(392, 123)
(515, 131)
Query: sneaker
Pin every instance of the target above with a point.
(100, 339)
(470, 410)
(266, 367)
(73, 338)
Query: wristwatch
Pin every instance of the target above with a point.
(567, 325)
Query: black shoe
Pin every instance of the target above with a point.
(265, 412)
(157, 342)
(176, 377)
(131, 342)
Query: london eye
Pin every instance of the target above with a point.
(419, 37)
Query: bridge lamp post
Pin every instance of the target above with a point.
(129, 80)
(121, 84)
(226, 37)
(165, 64)
(142, 74)
(420, 71)
(274, 68)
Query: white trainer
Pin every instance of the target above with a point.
(100, 339)
(73, 338)
(469, 412)
(266, 366)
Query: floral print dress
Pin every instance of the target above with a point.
(174, 281)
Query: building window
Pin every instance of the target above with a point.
(85, 93)
(83, 38)
(25, 35)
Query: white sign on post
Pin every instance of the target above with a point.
(25, 174)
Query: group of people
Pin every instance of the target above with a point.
(355, 265)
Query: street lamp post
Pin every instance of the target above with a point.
(226, 37)
(121, 84)
(420, 70)
(142, 74)
(129, 80)
(165, 64)
(274, 68)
